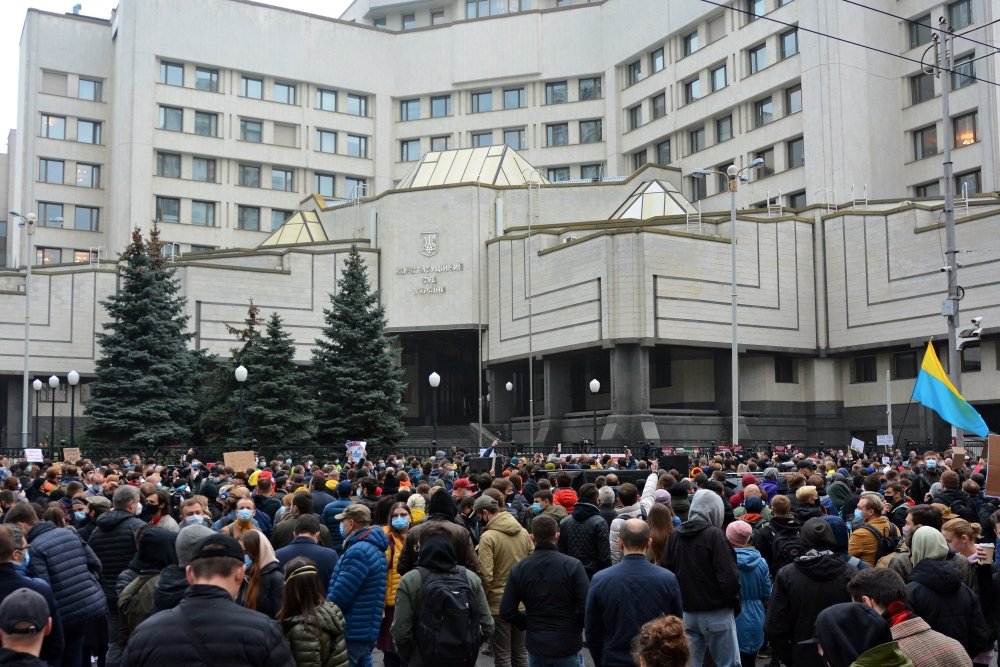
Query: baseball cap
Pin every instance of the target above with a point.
(218, 546)
(355, 513)
(462, 483)
(24, 612)
(485, 503)
(101, 502)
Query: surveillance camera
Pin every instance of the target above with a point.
(977, 321)
(945, 269)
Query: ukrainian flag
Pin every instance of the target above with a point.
(936, 391)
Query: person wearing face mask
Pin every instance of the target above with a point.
(264, 583)
(872, 530)
(398, 526)
(244, 519)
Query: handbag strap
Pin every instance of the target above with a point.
(192, 636)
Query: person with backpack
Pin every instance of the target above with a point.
(442, 616)
(778, 541)
(953, 497)
(875, 537)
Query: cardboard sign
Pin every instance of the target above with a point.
(884, 440)
(885, 460)
(240, 461)
(71, 454)
(780, 449)
(957, 458)
(993, 466)
(33, 455)
(356, 449)
(858, 445)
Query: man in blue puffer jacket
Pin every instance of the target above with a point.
(357, 585)
(331, 511)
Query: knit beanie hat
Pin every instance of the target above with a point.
(738, 533)
(661, 496)
(187, 539)
(817, 534)
(753, 505)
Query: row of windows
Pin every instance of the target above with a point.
(963, 74)
(253, 87)
(556, 134)
(556, 92)
(60, 83)
(46, 256)
(85, 218)
(794, 157)
(54, 172)
(921, 28)
(409, 21)
(966, 183)
(54, 127)
(964, 132)
(906, 365)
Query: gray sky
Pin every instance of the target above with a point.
(12, 19)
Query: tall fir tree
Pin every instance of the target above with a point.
(145, 391)
(354, 366)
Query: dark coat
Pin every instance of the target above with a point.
(64, 562)
(269, 505)
(801, 591)
(545, 581)
(324, 557)
(358, 582)
(764, 540)
(231, 634)
(465, 552)
(284, 533)
(936, 594)
(170, 588)
(10, 581)
(332, 525)
(608, 513)
(584, 536)
(704, 562)
(320, 500)
(114, 543)
(272, 590)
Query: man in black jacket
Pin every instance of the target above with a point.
(11, 580)
(441, 511)
(251, 638)
(584, 534)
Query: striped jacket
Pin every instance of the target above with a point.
(928, 648)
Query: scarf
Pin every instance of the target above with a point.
(897, 612)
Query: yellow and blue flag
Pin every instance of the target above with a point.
(936, 391)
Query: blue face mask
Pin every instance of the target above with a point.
(244, 515)
(194, 519)
(858, 518)
(80, 516)
(247, 561)
(27, 558)
(182, 488)
(536, 507)
(932, 464)
(343, 531)
(97, 488)
(399, 523)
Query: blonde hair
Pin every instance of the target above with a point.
(804, 493)
(962, 528)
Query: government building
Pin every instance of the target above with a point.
(520, 177)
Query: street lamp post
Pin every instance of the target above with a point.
(73, 378)
(510, 412)
(435, 380)
(595, 387)
(53, 385)
(37, 386)
(241, 377)
(734, 174)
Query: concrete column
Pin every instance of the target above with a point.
(629, 380)
(501, 400)
(557, 390)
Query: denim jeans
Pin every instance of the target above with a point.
(535, 660)
(359, 653)
(714, 631)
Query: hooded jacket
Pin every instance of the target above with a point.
(801, 591)
(113, 540)
(135, 602)
(936, 594)
(839, 492)
(755, 590)
(786, 526)
(357, 584)
(853, 634)
(584, 536)
(441, 511)
(566, 497)
(502, 545)
(702, 559)
(304, 638)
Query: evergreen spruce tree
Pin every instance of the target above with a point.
(145, 391)
(354, 366)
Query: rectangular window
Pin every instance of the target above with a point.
(480, 139)
(797, 200)
(326, 141)
(284, 93)
(556, 92)
(357, 145)
(591, 131)
(437, 17)
(326, 100)
(697, 139)
(723, 129)
(54, 83)
(763, 112)
(755, 8)
(286, 135)
(639, 158)
(656, 60)
(793, 100)
(251, 130)
(964, 72)
(920, 30)
(324, 184)
(379, 22)
(50, 214)
(932, 189)
(409, 21)
(250, 175)
(89, 89)
(796, 152)
(441, 143)
(51, 171)
(591, 172)
(590, 89)
(758, 58)
(171, 118)
(921, 87)
(441, 106)
(88, 175)
(53, 127)
(513, 98)
(248, 218)
(515, 138)
(172, 74)
(789, 43)
(767, 169)
(865, 369)
(557, 134)
(409, 110)
(84, 256)
(168, 165)
(965, 130)
(784, 370)
(206, 79)
(357, 105)
(971, 359)
(203, 213)
(690, 42)
(88, 131)
(904, 365)
(925, 142)
(46, 256)
(960, 14)
(168, 209)
(718, 78)
(282, 179)
(250, 87)
(482, 101)
(635, 117)
(409, 150)
(663, 152)
(968, 183)
(278, 218)
(659, 104)
(634, 72)
(699, 187)
(557, 174)
(203, 169)
(692, 91)
(356, 188)
(206, 124)
(85, 218)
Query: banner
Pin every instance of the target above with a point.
(993, 466)
(858, 445)
(884, 440)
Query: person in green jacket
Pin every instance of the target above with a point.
(851, 634)
(313, 626)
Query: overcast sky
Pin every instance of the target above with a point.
(12, 20)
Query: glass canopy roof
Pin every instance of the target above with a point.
(493, 165)
(301, 227)
(653, 199)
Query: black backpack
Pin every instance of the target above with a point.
(785, 548)
(449, 632)
(886, 543)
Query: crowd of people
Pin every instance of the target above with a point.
(828, 559)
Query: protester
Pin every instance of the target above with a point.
(306, 545)
(755, 590)
(313, 626)
(25, 622)
(584, 534)
(874, 529)
(854, 635)
(440, 519)
(11, 580)
(662, 643)
(135, 600)
(263, 585)
(398, 525)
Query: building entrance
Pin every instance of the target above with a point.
(453, 355)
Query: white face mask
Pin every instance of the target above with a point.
(138, 509)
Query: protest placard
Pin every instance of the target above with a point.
(33, 455)
(240, 461)
(71, 454)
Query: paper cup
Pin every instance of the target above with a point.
(988, 552)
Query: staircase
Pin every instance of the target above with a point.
(447, 436)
